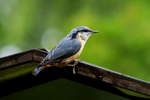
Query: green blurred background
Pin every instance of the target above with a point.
(122, 45)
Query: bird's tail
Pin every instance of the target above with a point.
(37, 70)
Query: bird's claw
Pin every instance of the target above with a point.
(74, 70)
(74, 66)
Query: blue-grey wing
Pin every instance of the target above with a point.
(64, 49)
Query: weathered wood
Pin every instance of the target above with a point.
(113, 78)
(86, 73)
(21, 58)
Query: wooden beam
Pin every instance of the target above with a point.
(89, 74)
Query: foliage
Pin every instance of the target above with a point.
(122, 44)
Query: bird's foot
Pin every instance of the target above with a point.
(74, 70)
(76, 61)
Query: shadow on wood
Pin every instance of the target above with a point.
(91, 75)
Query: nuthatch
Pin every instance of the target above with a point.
(67, 49)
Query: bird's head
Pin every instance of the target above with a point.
(82, 32)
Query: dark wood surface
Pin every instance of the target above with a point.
(89, 74)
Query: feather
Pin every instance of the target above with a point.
(65, 49)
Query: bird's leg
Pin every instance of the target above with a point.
(74, 65)
(74, 70)
(75, 62)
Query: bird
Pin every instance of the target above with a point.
(67, 50)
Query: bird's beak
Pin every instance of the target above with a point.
(94, 31)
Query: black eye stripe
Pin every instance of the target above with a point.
(84, 31)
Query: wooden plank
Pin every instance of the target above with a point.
(92, 75)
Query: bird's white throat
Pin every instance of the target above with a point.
(84, 36)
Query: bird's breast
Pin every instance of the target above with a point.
(82, 46)
(70, 59)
